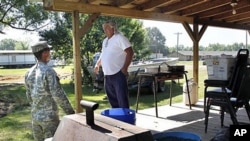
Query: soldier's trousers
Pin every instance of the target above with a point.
(45, 129)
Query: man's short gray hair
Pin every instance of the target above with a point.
(112, 24)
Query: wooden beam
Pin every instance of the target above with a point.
(72, 0)
(217, 11)
(195, 35)
(196, 56)
(185, 4)
(238, 17)
(222, 24)
(245, 21)
(97, 1)
(59, 5)
(120, 3)
(77, 61)
(225, 11)
(204, 7)
(189, 31)
(229, 14)
(155, 4)
(88, 24)
(202, 31)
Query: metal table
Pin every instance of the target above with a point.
(159, 76)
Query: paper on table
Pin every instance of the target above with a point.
(210, 70)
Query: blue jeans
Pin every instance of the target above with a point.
(116, 87)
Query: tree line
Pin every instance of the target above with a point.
(10, 44)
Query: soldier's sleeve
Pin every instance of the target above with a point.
(28, 93)
(58, 93)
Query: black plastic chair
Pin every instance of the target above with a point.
(225, 89)
(242, 98)
(241, 59)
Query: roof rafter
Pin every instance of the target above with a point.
(221, 24)
(115, 11)
(155, 4)
(229, 14)
(180, 6)
(239, 17)
(215, 12)
(204, 7)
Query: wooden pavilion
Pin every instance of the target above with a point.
(194, 15)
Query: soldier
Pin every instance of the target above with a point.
(44, 94)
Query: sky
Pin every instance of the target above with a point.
(20, 35)
(212, 35)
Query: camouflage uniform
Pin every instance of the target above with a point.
(44, 92)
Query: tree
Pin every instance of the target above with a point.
(237, 46)
(10, 44)
(22, 14)
(21, 45)
(213, 47)
(7, 44)
(156, 41)
(60, 36)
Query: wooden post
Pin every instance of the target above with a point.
(196, 53)
(195, 35)
(77, 60)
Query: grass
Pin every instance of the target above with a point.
(17, 124)
(7, 72)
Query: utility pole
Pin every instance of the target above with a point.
(177, 33)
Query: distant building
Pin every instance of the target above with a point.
(22, 58)
(15, 58)
(188, 55)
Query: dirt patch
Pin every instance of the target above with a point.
(12, 79)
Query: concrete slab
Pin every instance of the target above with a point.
(179, 117)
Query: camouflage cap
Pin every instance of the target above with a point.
(40, 46)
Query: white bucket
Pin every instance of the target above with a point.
(192, 92)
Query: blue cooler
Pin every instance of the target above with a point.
(176, 136)
(122, 114)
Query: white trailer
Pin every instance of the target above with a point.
(16, 58)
